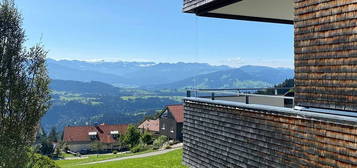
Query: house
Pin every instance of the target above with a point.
(152, 126)
(171, 122)
(321, 128)
(80, 137)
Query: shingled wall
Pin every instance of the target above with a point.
(326, 54)
(221, 134)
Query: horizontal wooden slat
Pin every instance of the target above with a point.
(221, 136)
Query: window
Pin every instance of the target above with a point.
(164, 115)
(115, 134)
(93, 135)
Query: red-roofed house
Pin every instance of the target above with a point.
(150, 125)
(171, 122)
(80, 137)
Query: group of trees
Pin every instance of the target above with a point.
(136, 141)
(24, 93)
(133, 139)
(25, 98)
(50, 145)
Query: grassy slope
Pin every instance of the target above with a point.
(168, 160)
(93, 158)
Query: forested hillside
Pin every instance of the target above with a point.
(81, 103)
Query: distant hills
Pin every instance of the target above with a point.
(125, 92)
(93, 88)
(243, 77)
(127, 74)
(150, 75)
(63, 72)
(83, 103)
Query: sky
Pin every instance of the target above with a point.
(151, 30)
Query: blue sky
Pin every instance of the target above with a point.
(151, 30)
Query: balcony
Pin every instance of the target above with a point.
(245, 129)
(257, 97)
(278, 97)
(234, 128)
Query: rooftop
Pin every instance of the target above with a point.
(151, 125)
(83, 133)
(177, 111)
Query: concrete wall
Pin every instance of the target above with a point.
(326, 54)
(227, 134)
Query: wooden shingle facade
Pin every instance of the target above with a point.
(326, 54)
(218, 134)
(321, 134)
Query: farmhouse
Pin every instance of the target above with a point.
(321, 128)
(171, 122)
(80, 137)
(152, 126)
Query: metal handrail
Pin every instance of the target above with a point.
(239, 89)
(224, 91)
(214, 92)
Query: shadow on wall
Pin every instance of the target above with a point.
(226, 136)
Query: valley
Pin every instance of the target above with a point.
(85, 93)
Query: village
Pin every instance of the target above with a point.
(79, 142)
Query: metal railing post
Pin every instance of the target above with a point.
(188, 93)
(246, 99)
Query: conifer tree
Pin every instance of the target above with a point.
(24, 93)
(52, 136)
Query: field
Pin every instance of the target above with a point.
(171, 159)
(93, 158)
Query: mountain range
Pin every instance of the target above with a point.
(125, 92)
(127, 74)
(150, 75)
(243, 77)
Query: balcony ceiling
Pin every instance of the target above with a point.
(278, 11)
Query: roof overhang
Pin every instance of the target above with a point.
(275, 11)
(114, 132)
(92, 133)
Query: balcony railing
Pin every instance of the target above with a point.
(264, 96)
